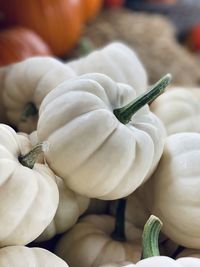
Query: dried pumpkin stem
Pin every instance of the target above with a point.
(125, 113)
(150, 237)
(119, 231)
(30, 158)
(29, 111)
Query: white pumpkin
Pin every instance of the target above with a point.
(175, 189)
(26, 84)
(123, 264)
(89, 243)
(162, 261)
(71, 205)
(28, 197)
(70, 208)
(159, 261)
(105, 158)
(19, 256)
(179, 109)
(117, 61)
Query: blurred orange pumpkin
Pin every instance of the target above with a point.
(91, 8)
(58, 22)
(18, 43)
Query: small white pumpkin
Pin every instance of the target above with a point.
(89, 243)
(105, 158)
(159, 261)
(179, 109)
(117, 61)
(123, 264)
(19, 256)
(175, 189)
(28, 197)
(70, 208)
(26, 84)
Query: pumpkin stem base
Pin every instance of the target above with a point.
(30, 158)
(29, 111)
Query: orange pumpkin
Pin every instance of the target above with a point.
(19, 43)
(91, 8)
(58, 22)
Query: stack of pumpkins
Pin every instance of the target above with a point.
(86, 132)
(42, 27)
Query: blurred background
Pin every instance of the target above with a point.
(164, 33)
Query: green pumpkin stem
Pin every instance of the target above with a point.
(85, 46)
(119, 231)
(150, 237)
(29, 111)
(125, 113)
(30, 158)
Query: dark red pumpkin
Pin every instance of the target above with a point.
(58, 22)
(193, 38)
(19, 43)
(114, 3)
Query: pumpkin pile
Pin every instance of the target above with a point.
(88, 152)
(42, 27)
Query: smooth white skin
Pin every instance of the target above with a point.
(117, 61)
(70, 208)
(175, 189)
(159, 261)
(19, 256)
(30, 81)
(71, 205)
(105, 158)
(179, 109)
(162, 261)
(124, 264)
(89, 243)
(28, 197)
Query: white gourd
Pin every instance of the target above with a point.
(28, 196)
(117, 61)
(175, 189)
(71, 205)
(179, 109)
(28, 82)
(89, 243)
(106, 159)
(19, 256)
